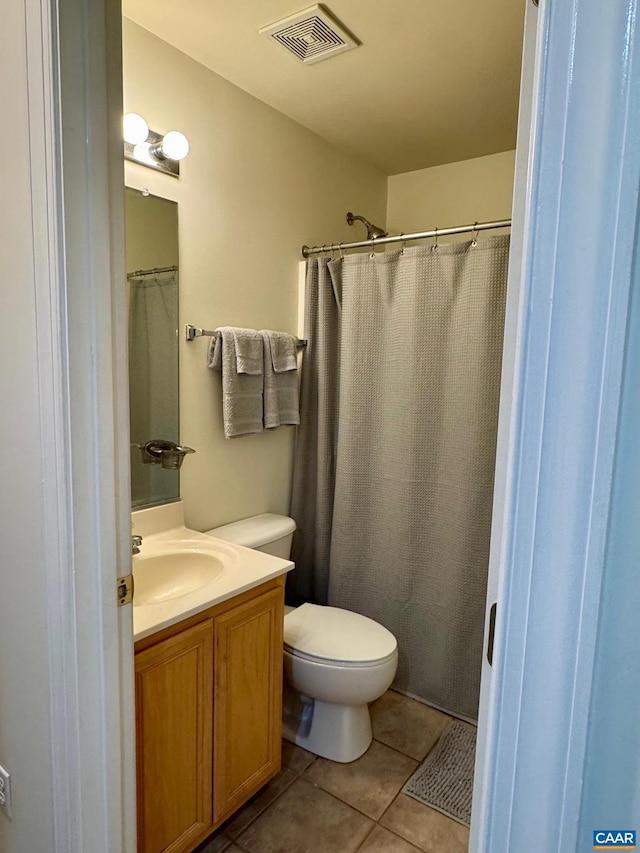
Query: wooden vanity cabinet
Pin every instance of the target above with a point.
(247, 717)
(208, 717)
(174, 726)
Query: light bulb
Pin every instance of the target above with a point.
(142, 154)
(175, 145)
(135, 129)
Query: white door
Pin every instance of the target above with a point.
(66, 686)
(558, 433)
(520, 221)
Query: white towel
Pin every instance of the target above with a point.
(283, 352)
(280, 389)
(241, 392)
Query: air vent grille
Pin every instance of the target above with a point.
(308, 38)
(311, 35)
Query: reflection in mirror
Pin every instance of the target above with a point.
(152, 262)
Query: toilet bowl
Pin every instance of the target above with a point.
(335, 661)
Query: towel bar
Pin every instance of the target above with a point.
(191, 333)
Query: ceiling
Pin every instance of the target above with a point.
(434, 81)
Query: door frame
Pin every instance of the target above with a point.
(73, 91)
(89, 131)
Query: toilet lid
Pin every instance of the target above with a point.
(330, 633)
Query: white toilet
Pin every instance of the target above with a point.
(335, 661)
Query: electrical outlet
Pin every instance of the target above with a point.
(5, 792)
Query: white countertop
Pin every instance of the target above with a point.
(244, 569)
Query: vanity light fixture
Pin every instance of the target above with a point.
(145, 146)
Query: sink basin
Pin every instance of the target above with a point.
(181, 572)
(170, 573)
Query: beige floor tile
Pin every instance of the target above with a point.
(368, 784)
(383, 841)
(406, 725)
(306, 819)
(258, 803)
(295, 758)
(426, 828)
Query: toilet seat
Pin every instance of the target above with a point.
(333, 636)
(296, 653)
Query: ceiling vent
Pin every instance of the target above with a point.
(312, 35)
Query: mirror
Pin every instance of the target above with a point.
(151, 236)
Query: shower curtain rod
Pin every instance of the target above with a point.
(154, 271)
(307, 251)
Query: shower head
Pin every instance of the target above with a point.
(373, 232)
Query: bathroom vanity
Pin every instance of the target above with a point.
(208, 671)
(209, 714)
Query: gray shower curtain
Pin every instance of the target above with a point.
(394, 462)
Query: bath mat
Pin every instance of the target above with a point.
(444, 780)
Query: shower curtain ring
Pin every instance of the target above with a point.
(341, 251)
(434, 248)
(404, 243)
(474, 241)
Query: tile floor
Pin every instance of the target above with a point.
(318, 806)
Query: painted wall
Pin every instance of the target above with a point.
(454, 194)
(254, 188)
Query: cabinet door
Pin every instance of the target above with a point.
(174, 720)
(248, 700)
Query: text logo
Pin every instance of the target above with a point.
(614, 839)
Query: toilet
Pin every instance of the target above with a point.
(335, 662)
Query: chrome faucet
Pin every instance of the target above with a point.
(136, 542)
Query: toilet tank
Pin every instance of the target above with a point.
(268, 532)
